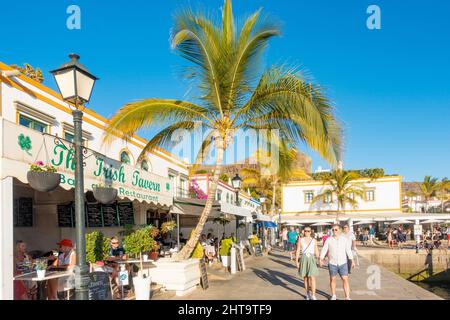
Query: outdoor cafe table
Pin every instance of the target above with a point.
(32, 276)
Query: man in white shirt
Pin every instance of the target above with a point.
(348, 233)
(338, 249)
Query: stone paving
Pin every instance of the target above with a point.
(274, 277)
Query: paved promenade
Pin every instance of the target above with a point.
(274, 277)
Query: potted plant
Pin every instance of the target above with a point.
(225, 251)
(43, 178)
(153, 254)
(41, 267)
(136, 243)
(97, 247)
(104, 193)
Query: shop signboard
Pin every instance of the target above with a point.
(23, 146)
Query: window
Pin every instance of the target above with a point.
(125, 158)
(370, 195)
(183, 191)
(309, 195)
(219, 195)
(69, 137)
(32, 124)
(232, 199)
(228, 198)
(144, 165)
(328, 198)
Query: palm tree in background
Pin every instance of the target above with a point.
(429, 187)
(340, 185)
(444, 188)
(232, 92)
(267, 179)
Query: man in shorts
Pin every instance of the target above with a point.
(339, 252)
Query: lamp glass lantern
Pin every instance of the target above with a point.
(75, 82)
(236, 182)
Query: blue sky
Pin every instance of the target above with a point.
(391, 86)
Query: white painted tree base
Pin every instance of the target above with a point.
(182, 277)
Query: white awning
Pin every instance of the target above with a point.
(262, 217)
(23, 146)
(235, 210)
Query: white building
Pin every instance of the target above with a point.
(36, 124)
(382, 197)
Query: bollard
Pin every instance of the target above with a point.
(233, 260)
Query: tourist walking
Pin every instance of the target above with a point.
(339, 251)
(348, 233)
(292, 240)
(390, 239)
(284, 237)
(371, 235)
(307, 267)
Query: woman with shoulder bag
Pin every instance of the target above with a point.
(307, 267)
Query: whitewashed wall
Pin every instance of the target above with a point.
(387, 197)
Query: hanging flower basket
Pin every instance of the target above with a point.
(43, 178)
(104, 194)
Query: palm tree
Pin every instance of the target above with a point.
(444, 188)
(429, 187)
(267, 178)
(234, 93)
(341, 184)
(411, 194)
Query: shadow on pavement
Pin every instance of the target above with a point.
(286, 264)
(280, 279)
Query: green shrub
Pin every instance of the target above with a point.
(139, 241)
(198, 251)
(225, 247)
(97, 247)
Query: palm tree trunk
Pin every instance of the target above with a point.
(186, 252)
(274, 187)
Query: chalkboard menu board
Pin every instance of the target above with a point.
(203, 275)
(239, 260)
(258, 250)
(126, 213)
(109, 212)
(97, 215)
(94, 215)
(23, 212)
(66, 216)
(98, 286)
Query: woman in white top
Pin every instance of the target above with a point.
(66, 260)
(307, 267)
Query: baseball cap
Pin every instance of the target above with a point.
(66, 243)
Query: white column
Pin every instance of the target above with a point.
(350, 224)
(6, 239)
(233, 260)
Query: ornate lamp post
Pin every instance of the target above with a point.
(263, 203)
(236, 183)
(75, 84)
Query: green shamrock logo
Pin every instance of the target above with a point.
(25, 143)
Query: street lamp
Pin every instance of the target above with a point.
(263, 201)
(236, 183)
(75, 84)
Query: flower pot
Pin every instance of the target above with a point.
(153, 256)
(226, 261)
(43, 181)
(142, 288)
(145, 257)
(105, 195)
(41, 274)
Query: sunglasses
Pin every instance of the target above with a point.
(114, 243)
(307, 230)
(335, 229)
